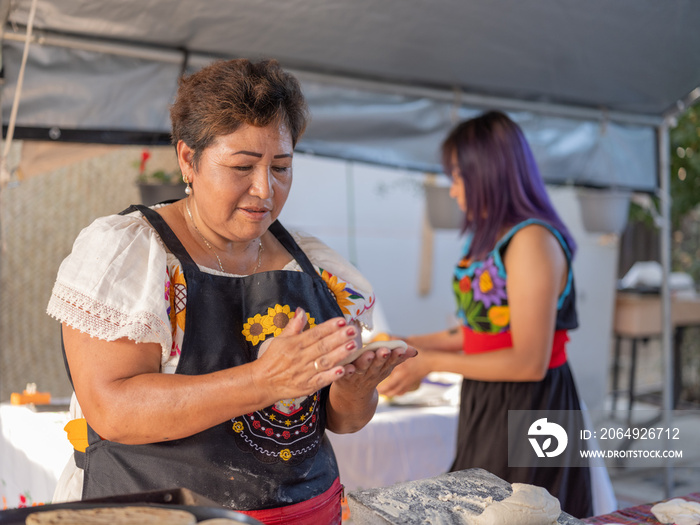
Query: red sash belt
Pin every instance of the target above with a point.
(324, 509)
(480, 342)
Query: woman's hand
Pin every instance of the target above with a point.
(374, 366)
(353, 398)
(406, 377)
(298, 362)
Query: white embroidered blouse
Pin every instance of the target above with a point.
(121, 281)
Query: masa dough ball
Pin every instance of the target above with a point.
(528, 505)
(678, 511)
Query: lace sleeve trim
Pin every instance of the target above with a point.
(99, 320)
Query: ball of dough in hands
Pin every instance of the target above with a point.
(391, 345)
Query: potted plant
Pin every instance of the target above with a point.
(158, 185)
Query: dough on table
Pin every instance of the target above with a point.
(128, 515)
(678, 511)
(528, 505)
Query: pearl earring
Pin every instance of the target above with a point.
(188, 189)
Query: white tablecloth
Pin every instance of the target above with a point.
(399, 444)
(33, 452)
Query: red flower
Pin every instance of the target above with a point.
(286, 434)
(465, 284)
(145, 155)
(313, 418)
(304, 428)
(256, 424)
(269, 432)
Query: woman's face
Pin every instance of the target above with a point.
(457, 187)
(243, 180)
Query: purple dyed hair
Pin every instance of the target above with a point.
(502, 183)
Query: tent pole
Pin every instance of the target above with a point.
(665, 244)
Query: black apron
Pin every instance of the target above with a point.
(270, 458)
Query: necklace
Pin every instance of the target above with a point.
(208, 244)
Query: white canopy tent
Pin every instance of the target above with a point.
(588, 82)
(595, 85)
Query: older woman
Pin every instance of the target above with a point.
(206, 344)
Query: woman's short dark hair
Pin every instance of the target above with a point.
(223, 96)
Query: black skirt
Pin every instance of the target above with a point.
(482, 437)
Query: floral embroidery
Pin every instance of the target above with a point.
(481, 296)
(178, 299)
(167, 287)
(276, 319)
(341, 291)
(24, 501)
(260, 326)
(499, 315)
(490, 288)
(465, 284)
(254, 330)
(310, 322)
(272, 436)
(464, 262)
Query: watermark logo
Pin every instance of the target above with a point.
(544, 429)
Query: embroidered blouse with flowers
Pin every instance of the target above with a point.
(483, 425)
(482, 302)
(150, 302)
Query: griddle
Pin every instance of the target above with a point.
(177, 498)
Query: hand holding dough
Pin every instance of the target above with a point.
(528, 505)
(373, 346)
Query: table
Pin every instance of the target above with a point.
(33, 452)
(401, 443)
(638, 318)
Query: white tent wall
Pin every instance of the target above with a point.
(379, 228)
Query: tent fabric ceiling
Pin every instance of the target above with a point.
(629, 58)
(633, 56)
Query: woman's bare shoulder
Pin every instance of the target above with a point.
(537, 245)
